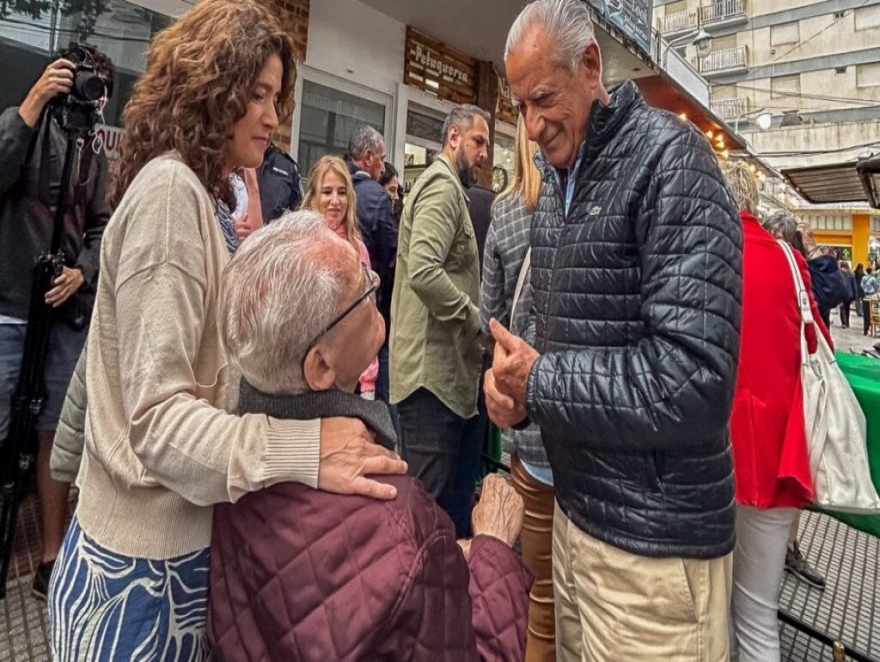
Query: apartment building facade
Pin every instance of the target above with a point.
(810, 67)
(813, 65)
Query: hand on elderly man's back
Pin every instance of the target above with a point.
(499, 512)
(349, 453)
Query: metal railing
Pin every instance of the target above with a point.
(728, 58)
(683, 20)
(721, 10)
(728, 109)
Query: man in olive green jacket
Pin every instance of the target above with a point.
(435, 353)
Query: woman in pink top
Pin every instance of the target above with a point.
(331, 194)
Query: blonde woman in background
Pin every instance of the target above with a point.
(507, 245)
(331, 194)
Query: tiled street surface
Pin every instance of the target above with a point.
(848, 609)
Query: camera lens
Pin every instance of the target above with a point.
(88, 86)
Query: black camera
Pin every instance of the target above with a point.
(76, 111)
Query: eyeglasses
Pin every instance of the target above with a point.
(372, 280)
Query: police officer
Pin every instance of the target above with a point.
(279, 183)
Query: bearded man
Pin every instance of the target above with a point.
(435, 320)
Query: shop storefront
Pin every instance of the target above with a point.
(436, 77)
(845, 233)
(349, 76)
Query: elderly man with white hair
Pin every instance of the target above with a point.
(299, 574)
(636, 277)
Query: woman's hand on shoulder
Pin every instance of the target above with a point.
(349, 454)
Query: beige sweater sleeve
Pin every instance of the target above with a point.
(163, 308)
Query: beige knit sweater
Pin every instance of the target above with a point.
(160, 449)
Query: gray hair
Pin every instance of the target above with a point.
(462, 117)
(567, 24)
(364, 139)
(785, 225)
(276, 295)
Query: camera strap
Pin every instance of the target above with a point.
(46, 177)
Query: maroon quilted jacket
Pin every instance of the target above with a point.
(298, 574)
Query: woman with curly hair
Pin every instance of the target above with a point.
(331, 194)
(131, 579)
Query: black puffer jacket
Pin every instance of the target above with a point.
(637, 294)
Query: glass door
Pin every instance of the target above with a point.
(329, 109)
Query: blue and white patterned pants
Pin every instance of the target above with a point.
(105, 606)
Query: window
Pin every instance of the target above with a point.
(839, 15)
(787, 33)
(875, 224)
(867, 17)
(833, 222)
(868, 75)
(330, 110)
(723, 43)
(840, 70)
(782, 87)
(723, 92)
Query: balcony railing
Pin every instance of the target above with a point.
(728, 109)
(728, 59)
(723, 10)
(679, 21)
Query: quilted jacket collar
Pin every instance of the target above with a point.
(321, 404)
(603, 126)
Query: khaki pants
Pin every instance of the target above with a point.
(536, 540)
(613, 605)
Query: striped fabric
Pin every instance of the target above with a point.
(227, 225)
(105, 606)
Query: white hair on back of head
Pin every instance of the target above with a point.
(567, 24)
(277, 294)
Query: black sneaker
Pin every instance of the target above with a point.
(797, 564)
(40, 588)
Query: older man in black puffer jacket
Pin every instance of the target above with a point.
(636, 275)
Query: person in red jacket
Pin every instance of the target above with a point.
(771, 462)
(299, 575)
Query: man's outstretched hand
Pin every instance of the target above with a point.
(506, 381)
(349, 454)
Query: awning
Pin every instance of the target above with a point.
(834, 183)
(661, 92)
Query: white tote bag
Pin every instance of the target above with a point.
(520, 282)
(834, 422)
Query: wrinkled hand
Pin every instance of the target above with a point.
(506, 382)
(66, 286)
(349, 454)
(56, 79)
(500, 511)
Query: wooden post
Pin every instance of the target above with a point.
(487, 99)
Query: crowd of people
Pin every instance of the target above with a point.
(260, 351)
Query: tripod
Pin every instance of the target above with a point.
(18, 452)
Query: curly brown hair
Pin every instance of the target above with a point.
(198, 82)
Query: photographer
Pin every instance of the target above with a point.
(32, 150)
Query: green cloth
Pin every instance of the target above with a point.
(434, 315)
(863, 375)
